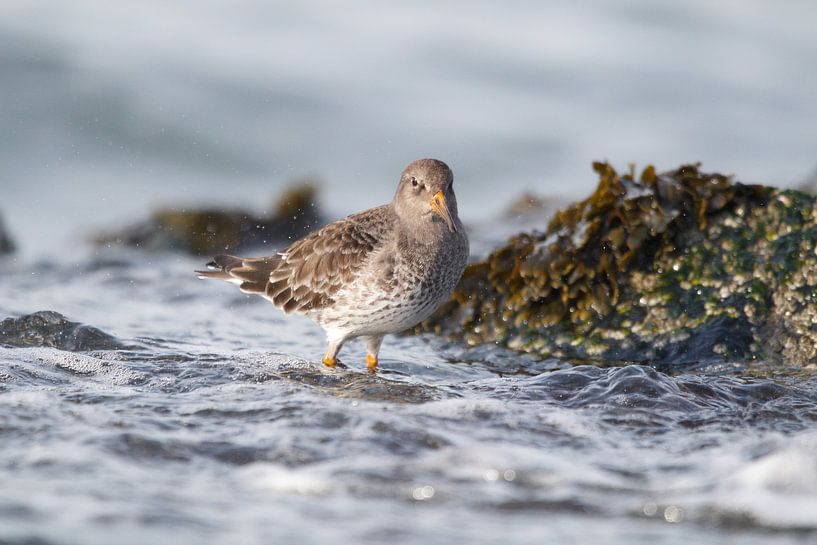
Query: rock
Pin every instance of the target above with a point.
(209, 231)
(678, 268)
(530, 203)
(6, 244)
(52, 329)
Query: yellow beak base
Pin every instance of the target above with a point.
(439, 206)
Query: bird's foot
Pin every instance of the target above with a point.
(330, 361)
(371, 362)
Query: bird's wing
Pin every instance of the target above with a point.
(313, 269)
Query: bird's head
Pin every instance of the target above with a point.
(426, 195)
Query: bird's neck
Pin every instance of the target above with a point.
(426, 232)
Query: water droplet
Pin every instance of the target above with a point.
(423, 493)
(673, 514)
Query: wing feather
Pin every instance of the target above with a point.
(314, 268)
(308, 274)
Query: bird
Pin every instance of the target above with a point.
(370, 274)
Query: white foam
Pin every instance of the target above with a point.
(277, 478)
(82, 364)
(778, 489)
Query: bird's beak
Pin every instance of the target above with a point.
(439, 207)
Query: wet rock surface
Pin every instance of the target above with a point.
(52, 329)
(6, 244)
(682, 267)
(208, 231)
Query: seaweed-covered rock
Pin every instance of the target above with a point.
(52, 329)
(6, 244)
(208, 231)
(678, 267)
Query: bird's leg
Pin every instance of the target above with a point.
(330, 358)
(372, 348)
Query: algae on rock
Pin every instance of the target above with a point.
(679, 267)
(208, 231)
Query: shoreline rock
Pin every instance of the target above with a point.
(6, 244)
(47, 328)
(209, 231)
(676, 268)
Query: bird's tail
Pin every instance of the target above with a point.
(250, 274)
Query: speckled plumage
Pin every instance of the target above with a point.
(372, 273)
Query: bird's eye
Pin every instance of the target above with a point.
(414, 181)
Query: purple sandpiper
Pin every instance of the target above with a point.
(372, 273)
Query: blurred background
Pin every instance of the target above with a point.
(110, 110)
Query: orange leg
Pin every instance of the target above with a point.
(371, 361)
(330, 358)
(372, 348)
